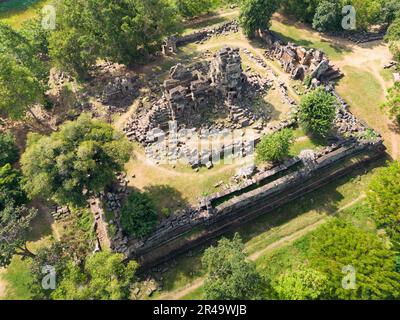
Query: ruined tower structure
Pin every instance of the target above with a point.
(191, 92)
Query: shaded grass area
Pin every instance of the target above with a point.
(16, 12)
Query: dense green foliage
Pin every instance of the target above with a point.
(229, 275)
(9, 151)
(11, 187)
(384, 200)
(122, 31)
(256, 15)
(317, 112)
(392, 103)
(81, 157)
(339, 244)
(302, 284)
(138, 216)
(328, 17)
(393, 32)
(368, 12)
(104, 276)
(276, 146)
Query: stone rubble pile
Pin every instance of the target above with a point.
(173, 42)
(60, 213)
(300, 62)
(119, 88)
(190, 94)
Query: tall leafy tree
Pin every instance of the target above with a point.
(229, 275)
(317, 112)
(122, 31)
(104, 276)
(256, 15)
(327, 16)
(82, 157)
(14, 223)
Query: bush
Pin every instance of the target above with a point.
(393, 102)
(317, 112)
(138, 216)
(393, 32)
(192, 8)
(327, 17)
(275, 147)
(9, 151)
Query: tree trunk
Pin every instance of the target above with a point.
(25, 252)
(38, 120)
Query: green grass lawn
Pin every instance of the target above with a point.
(18, 279)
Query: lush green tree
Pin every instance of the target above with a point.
(11, 187)
(302, 284)
(384, 199)
(139, 215)
(256, 15)
(229, 275)
(327, 17)
(304, 10)
(392, 103)
(192, 8)
(104, 276)
(367, 12)
(317, 112)
(393, 32)
(14, 223)
(390, 9)
(81, 157)
(122, 31)
(9, 151)
(276, 146)
(337, 247)
(19, 88)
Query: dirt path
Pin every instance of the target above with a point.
(3, 285)
(179, 294)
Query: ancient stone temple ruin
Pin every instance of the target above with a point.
(300, 62)
(190, 93)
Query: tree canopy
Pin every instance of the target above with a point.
(328, 17)
(9, 151)
(104, 276)
(302, 284)
(256, 15)
(276, 146)
(337, 245)
(317, 112)
(83, 156)
(139, 215)
(383, 197)
(229, 275)
(192, 8)
(122, 31)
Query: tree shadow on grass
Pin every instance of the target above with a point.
(166, 198)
